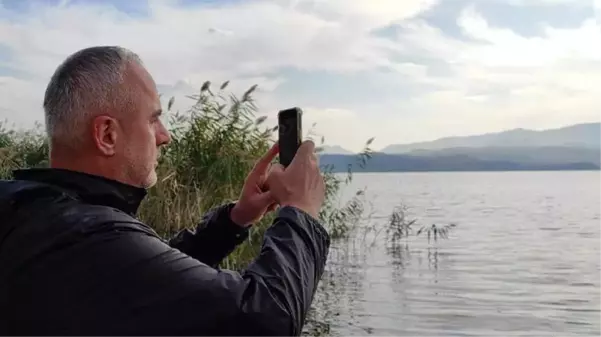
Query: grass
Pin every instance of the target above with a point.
(214, 146)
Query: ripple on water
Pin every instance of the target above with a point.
(523, 261)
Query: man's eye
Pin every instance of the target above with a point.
(163, 119)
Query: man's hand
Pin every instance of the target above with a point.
(255, 200)
(300, 184)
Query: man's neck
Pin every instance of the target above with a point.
(85, 164)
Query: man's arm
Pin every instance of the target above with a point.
(146, 287)
(213, 239)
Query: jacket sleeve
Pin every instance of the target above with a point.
(154, 289)
(214, 238)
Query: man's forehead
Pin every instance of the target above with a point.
(141, 78)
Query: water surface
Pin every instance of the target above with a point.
(522, 261)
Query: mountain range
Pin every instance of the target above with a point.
(575, 147)
(334, 149)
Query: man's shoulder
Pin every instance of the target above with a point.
(20, 193)
(27, 198)
(27, 203)
(19, 196)
(42, 223)
(10, 189)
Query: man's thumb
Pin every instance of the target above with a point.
(276, 168)
(265, 199)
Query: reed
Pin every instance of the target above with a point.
(214, 145)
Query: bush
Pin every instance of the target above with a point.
(214, 146)
(21, 148)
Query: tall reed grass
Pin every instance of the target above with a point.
(214, 146)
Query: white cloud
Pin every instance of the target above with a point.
(541, 3)
(335, 125)
(506, 48)
(192, 45)
(501, 80)
(546, 2)
(366, 14)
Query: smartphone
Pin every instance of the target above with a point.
(289, 133)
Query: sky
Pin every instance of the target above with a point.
(399, 71)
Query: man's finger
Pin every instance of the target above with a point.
(265, 199)
(263, 163)
(315, 158)
(272, 207)
(304, 152)
(276, 168)
(306, 148)
(274, 171)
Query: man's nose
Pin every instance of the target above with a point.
(166, 138)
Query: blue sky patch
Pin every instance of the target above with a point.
(528, 20)
(131, 7)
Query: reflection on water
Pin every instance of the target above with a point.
(340, 304)
(523, 261)
(339, 290)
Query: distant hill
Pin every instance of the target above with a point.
(334, 149)
(544, 155)
(576, 136)
(576, 147)
(382, 162)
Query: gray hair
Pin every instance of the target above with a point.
(86, 81)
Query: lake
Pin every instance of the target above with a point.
(523, 259)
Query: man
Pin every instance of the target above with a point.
(75, 260)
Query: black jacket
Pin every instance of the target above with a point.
(75, 260)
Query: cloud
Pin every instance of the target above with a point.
(501, 79)
(546, 2)
(195, 44)
(506, 48)
(366, 14)
(334, 125)
(416, 81)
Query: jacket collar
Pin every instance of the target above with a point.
(88, 188)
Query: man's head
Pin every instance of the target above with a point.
(102, 116)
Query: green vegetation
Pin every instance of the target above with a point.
(20, 149)
(214, 145)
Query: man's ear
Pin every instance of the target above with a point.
(105, 134)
